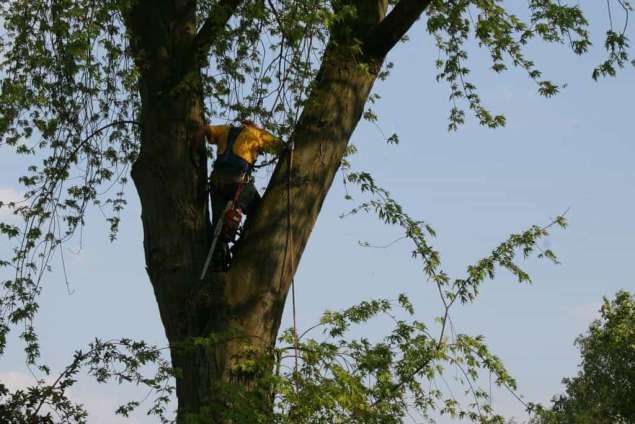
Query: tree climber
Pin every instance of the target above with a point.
(237, 148)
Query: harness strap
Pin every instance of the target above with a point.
(239, 190)
(232, 136)
(230, 159)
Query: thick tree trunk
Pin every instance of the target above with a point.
(171, 184)
(215, 326)
(176, 235)
(261, 274)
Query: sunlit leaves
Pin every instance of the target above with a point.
(603, 390)
(267, 78)
(617, 46)
(383, 379)
(121, 361)
(64, 78)
(465, 289)
(69, 106)
(504, 35)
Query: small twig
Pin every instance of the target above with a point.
(385, 246)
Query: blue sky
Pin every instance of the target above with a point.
(474, 186)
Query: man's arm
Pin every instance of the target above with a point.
(271, 144)
(210, 132)
(199, 137)
(215, 132)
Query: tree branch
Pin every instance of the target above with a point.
(216, 21)
(390, 30)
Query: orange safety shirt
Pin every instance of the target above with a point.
(250, 142)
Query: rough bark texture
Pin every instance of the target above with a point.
(243, 307)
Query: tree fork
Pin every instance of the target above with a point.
(172, 190)
(215, 326)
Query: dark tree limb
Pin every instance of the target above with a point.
(215, 22)
(248, 300)
(392, 28)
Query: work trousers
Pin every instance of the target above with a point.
(224, 183)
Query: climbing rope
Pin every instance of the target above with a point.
(265, 163)
(290, 236)
(288, 251)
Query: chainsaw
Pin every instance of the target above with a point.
(226, 227)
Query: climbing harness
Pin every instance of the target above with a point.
(217, 230)
(230, 160)
(233, 216)
(228, 223)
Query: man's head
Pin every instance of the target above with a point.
(250, 123)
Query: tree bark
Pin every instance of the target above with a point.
(171, 184)
(260, 277)
(214, 326)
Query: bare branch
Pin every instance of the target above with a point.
(394, 26)
(215, 22)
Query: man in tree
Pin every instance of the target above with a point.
(237, 148)
(99, 88)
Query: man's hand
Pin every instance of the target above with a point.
(197, 140)
(199, 136)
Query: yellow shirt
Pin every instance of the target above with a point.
(250, 142)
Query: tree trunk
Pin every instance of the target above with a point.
(222, 331)
(171, 184)
(260, 277)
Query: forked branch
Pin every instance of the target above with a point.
(215, 22)
(392, 28)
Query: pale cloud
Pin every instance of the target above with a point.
(8, 194)
(100, 406)
(15, 380)
(101, 409)
(586, 313)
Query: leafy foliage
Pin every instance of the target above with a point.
(335, 379)
(117, 360)
(70, 107)
(67, 101)
(69, 97)
(345, 380)
(604, 389)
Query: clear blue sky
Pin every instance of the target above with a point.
(474, 186)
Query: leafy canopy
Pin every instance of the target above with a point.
(604, 389)
(69, 110)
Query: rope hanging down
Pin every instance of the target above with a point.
(265, 163)
(290, 236)
(289, 251)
